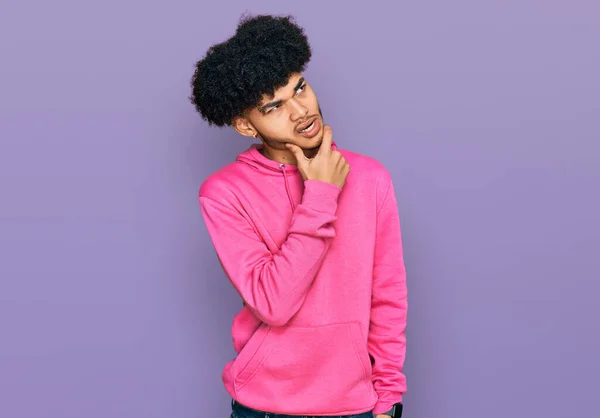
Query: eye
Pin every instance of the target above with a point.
(301, 88)
(272, 108)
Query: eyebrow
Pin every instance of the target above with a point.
(265, 107)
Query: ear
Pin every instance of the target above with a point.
(243, 126)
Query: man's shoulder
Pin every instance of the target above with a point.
(366, 166)
(221, 181)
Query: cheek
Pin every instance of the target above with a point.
(276, 124)
(276, 127)
(314, 105)
(311, 97)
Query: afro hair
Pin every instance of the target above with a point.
(235, 75)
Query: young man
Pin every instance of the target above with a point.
(309, 236)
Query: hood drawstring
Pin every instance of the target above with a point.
(287, 186)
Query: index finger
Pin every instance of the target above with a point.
(326, 142)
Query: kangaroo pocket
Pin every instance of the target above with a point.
(309, 369)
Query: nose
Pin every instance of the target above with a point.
(299, 111)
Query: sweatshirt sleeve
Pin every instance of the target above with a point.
(387, 339)
(274, 286)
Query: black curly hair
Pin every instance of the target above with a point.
(260, 58)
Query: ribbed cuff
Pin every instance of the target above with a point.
(383, 407)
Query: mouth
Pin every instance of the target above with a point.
(309, 129)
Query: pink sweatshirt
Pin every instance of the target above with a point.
(321, 273)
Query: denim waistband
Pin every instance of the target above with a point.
(242, 411)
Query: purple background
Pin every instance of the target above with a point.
(112, 302)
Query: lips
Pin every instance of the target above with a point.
(305, 125)
(311, 128)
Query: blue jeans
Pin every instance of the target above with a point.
(241, 411)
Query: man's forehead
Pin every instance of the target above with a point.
(280, 91)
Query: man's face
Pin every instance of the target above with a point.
(291, 116)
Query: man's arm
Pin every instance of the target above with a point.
(274, 286)
(387, 338)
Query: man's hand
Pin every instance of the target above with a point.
(382, 416)
(327, 165)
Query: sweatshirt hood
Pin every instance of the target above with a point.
(264, 165)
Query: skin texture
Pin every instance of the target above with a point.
(278, 126)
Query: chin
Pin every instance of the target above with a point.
(312, 143)
(316, 145)
(310, 146)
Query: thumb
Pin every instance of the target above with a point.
(298, 153)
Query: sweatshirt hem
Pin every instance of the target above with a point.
(329, 412)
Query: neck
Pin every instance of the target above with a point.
(282, 156)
